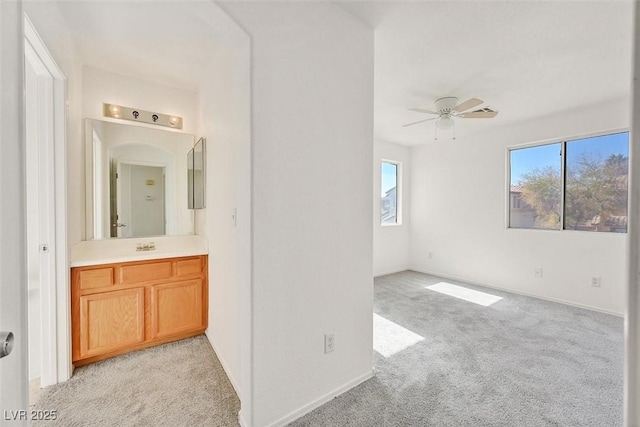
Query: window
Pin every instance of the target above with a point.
(536, 182)
(577, 184)
(389, 197)
(596, 179)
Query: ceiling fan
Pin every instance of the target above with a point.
(447, 109)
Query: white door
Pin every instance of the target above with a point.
(33, 198)
(13, 290)
(147, 200)
(140, 198)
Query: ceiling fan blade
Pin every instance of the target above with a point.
(420, 121)
(469, 103)
(479, 115)
(422, 110)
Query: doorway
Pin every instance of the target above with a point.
(45, 200)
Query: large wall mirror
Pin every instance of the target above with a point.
(136, 181)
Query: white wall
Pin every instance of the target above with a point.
(459, 202)
(13, 304)
(224, 108)
(312, 145)
(391, 242)
(99, 86)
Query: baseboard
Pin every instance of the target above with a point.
(292, 416)
(526, 294)
(391, 272)
(241, 420)
(225, 367)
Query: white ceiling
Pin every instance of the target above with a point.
(524, 58)
(163, 42)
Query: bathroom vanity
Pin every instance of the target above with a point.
(117, 307)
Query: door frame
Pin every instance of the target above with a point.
(55, 301)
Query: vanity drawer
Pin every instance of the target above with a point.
(146, 272)
(189, 267)
(96, 278)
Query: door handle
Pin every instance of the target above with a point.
(6, 343)
(119, 225)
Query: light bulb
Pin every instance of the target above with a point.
(173, 120)
(115, 110)
(445, 123)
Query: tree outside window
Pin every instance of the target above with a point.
(594, 185)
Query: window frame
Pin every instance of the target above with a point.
(563, 160)
(398, 165)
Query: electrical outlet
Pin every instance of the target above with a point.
(595, 281)
(329, 343)
(430, 255)
(537, 273)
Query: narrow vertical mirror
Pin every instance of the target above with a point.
(190, 178)
(196, 159)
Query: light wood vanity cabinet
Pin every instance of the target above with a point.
(127, 306)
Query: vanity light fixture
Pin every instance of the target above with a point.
(114, 110)
(137, 115)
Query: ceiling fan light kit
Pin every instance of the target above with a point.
(445, 122)
(447, 111)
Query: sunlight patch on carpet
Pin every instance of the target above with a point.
(390, 338)
(466, 294)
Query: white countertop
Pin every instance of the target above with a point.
(94, 252)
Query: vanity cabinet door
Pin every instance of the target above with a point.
(111, 321)
(176, 307)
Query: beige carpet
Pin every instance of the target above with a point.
(519, 362)
(176, 384)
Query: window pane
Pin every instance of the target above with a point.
(389, 186)
(535, 187)
(596, 177)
